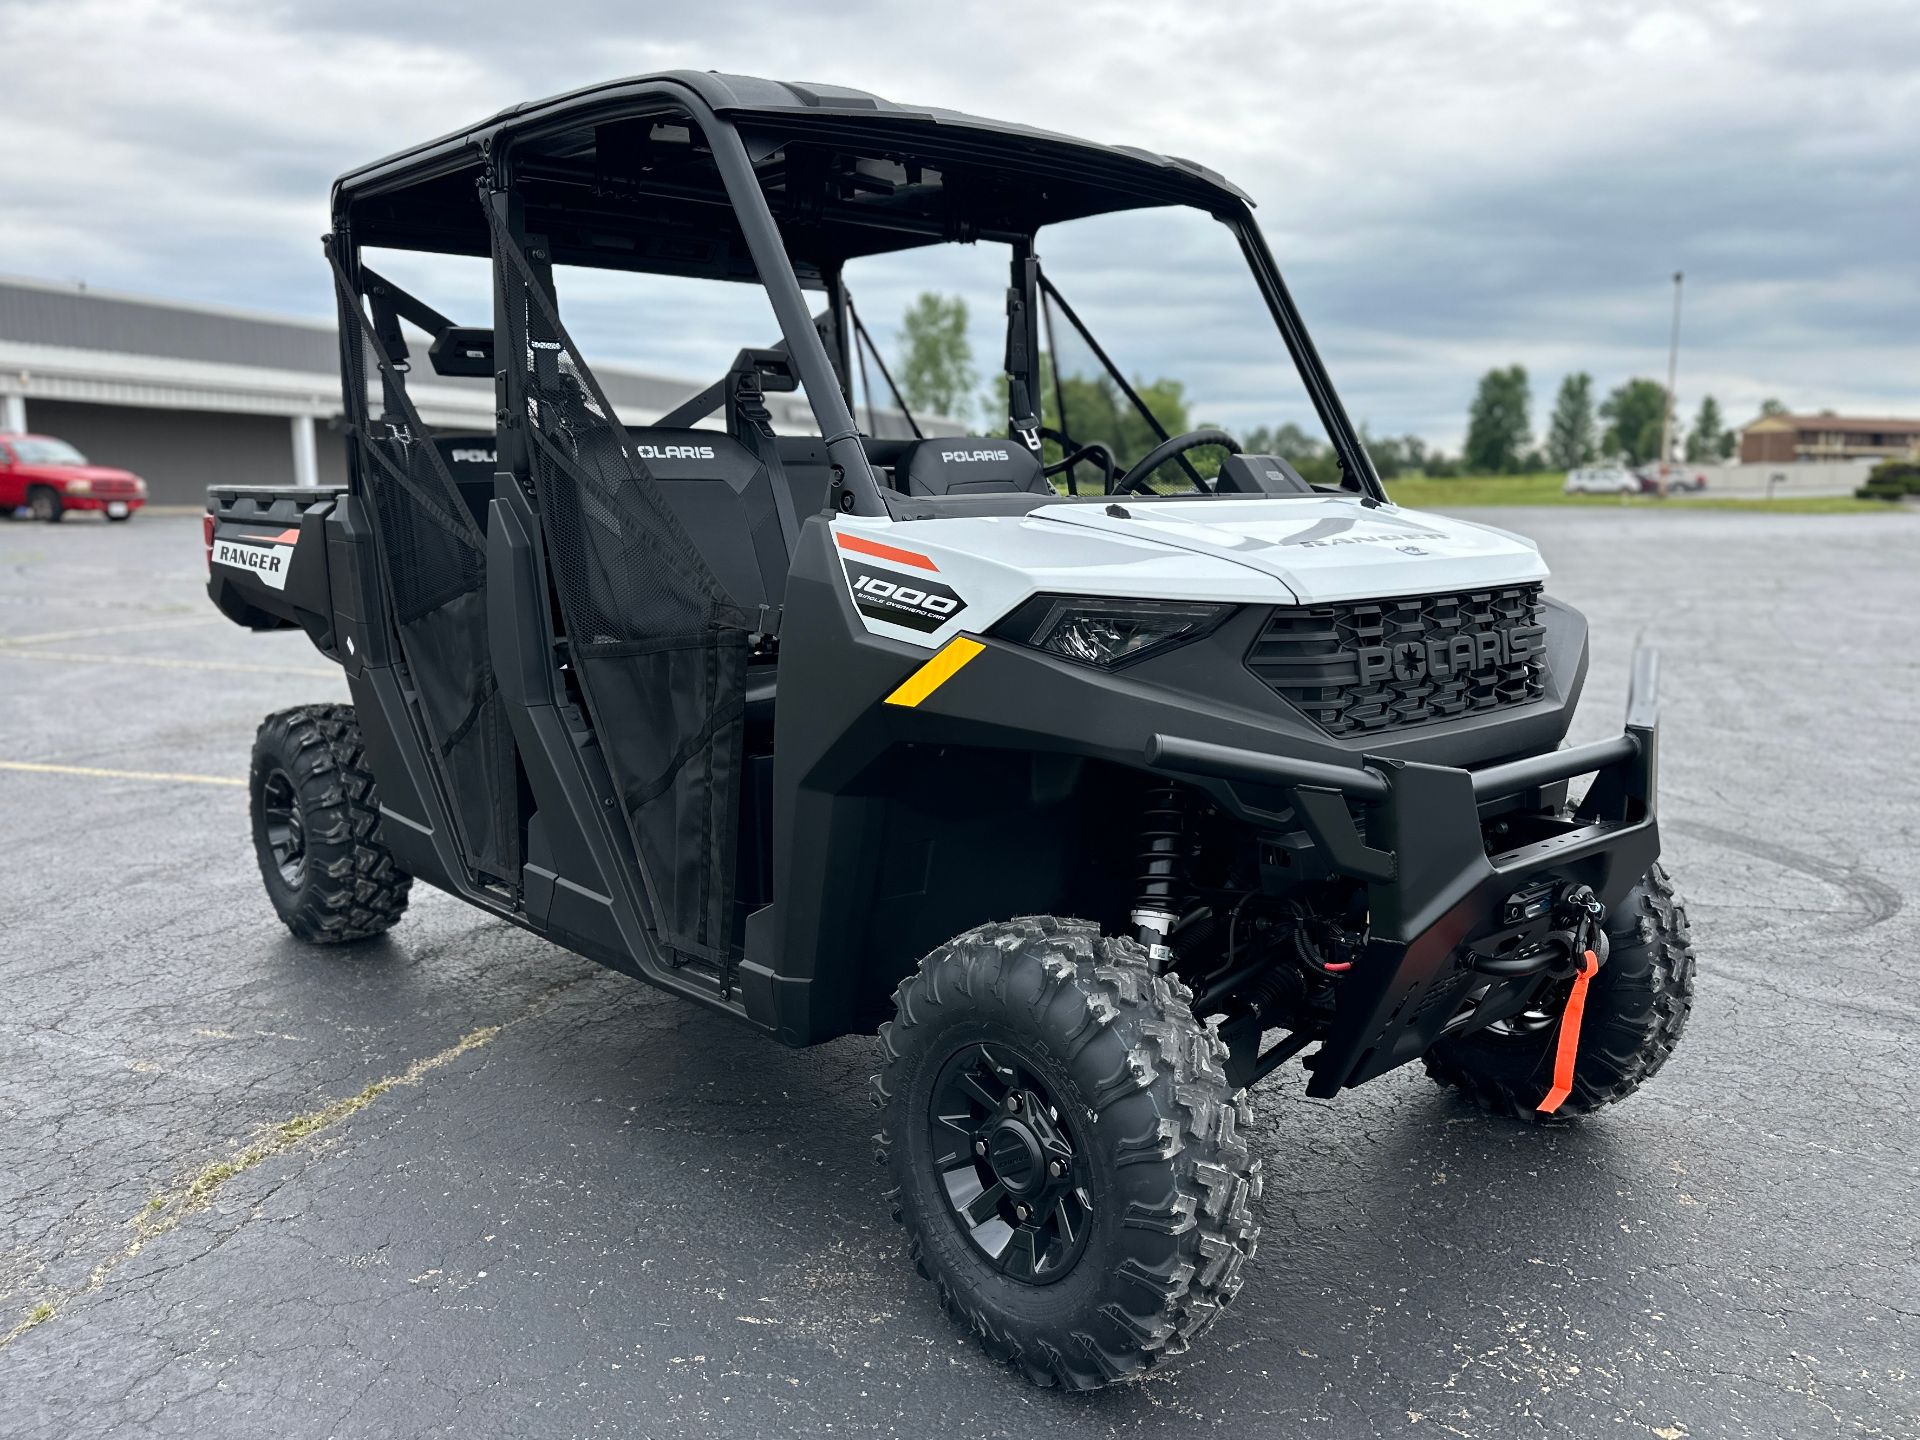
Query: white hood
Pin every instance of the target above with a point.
(1324, 548)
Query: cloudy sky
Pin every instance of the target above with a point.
(1449, 187)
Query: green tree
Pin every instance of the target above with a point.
(1394, 454)
(1498, 425)
(1570, 434)
(1097, 410)
(1388, 453)
(1633, 413)
(1773, 406)
(1709, 439)
(936, 372)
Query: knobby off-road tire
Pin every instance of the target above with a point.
(315, 828)
(1158, 1138)
(1637, 1007)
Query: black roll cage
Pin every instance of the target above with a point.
(856, 488)
(846, 767)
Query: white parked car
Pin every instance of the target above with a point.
(1602, 480)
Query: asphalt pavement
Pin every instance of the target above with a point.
(460, 1182)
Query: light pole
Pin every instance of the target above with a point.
(1673, 371)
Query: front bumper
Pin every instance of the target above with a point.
(131, 503)
(1434, 887)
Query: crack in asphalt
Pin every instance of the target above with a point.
(166, 1211)
(1878, 900)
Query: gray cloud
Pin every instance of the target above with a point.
(1447, 188)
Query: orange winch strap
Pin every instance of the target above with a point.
(1568, 1045)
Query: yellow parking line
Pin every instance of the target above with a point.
(97, 630)
(164, 663)
(94, 772)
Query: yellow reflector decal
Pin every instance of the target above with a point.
(936, 672)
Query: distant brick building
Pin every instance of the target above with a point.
(1784, 439)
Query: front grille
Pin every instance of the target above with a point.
(1368, 665)
(114, 487)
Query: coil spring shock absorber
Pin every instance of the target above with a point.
(1160, 877)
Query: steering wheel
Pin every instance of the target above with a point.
(1093, 452)
(1136, 478)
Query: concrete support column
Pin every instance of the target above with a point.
(13, 413)
(306, 463)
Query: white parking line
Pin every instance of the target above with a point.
(94, 772)
(97, 630)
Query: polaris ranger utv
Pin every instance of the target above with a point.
(1102, 767)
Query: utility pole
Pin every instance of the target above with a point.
(1673, 371)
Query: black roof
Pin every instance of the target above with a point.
(900, 175)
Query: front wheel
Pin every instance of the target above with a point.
(1066, 1155)
(1636, 1011)
(44, 504)
(316, 828)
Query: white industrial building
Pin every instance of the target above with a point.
(194, 395)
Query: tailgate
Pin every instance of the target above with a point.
(267, 556)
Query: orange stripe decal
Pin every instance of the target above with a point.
(894, 553)
(285, 537)
(1568, 1046)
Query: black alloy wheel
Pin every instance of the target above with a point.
(286, 831)
(1006, 1162)
(1064, 1150)
(316, 827)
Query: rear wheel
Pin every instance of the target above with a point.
(44, 504)
(1636, 1009)
(1067, 1157)
(315, 828)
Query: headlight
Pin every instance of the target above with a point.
(1107, 632)
(139, 486)
(79, 487)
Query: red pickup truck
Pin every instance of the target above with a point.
(49, 477)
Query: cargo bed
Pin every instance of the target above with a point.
(267, 556)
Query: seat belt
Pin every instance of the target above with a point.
(751, 423)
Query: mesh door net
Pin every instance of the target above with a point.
(659, 648)
(436, 570)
